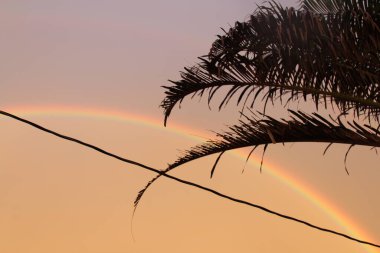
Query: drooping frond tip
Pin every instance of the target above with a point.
(255, 131)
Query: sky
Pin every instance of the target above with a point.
(94, 70)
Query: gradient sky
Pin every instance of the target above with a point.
(94, 70)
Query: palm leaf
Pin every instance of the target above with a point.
(301, 54)
(327, 7)
(301, 127)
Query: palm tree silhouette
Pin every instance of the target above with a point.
(326, 51)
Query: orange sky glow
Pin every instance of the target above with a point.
(94, 70)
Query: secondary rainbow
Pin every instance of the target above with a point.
(283, 176)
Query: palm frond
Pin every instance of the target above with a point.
(334, 59)
(255, 131)
(333, 6)
(300, 127)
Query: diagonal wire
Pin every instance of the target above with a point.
(214, 192)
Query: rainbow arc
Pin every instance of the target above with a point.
(306, 191)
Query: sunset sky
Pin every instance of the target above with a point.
(94, 70)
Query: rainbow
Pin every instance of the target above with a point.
(283, 176)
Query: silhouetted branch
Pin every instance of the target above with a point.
(255, 131)
(262, 208)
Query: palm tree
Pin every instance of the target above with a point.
(327, 52)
